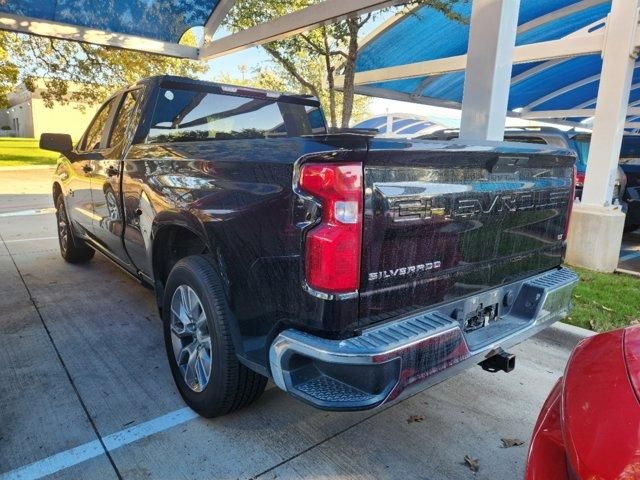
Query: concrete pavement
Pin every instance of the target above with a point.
(86, 390)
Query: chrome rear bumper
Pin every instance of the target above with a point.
(416, 351)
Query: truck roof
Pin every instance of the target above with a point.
(159, 79)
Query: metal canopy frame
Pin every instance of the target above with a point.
(323, 13)
(588, 40)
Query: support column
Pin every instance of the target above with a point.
(595, 232)
(492, 36)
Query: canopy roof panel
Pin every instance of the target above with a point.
(402, 125)
(427, 35)
(164, 20)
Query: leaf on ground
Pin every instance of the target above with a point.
(472, 463)
(415, 418)
(593, 325)
(606, 309)
(511, 442)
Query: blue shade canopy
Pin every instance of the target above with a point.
(164, 20)
(402, 125)
(426, 34)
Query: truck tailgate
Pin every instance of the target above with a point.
(446, 220)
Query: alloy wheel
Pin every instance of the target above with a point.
(63, 227)
(190, 338)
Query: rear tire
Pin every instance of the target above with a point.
(200, 349)
(71, 249)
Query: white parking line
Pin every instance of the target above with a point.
(82, 453)
(36, 239)
(24, 213)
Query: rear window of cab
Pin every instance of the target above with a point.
(185, 114)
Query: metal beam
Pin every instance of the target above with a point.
(568, 88)
(371, 91)
(323, 13)
(45, 28)
(537, 69)
(559, 13)
(592, 101)
(561, 91)
(492, 38)
(618, 62)
(216, 18)
(572, 113)
(552, 49)
(435, 102)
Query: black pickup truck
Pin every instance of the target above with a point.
(347, 269)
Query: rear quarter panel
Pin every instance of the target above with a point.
(238, 195)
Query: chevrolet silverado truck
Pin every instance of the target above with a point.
(348, 269)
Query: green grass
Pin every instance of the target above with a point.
(18, 152)
(605, 301)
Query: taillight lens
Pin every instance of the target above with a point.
(572, 198)
(579, 178)
(333, 247)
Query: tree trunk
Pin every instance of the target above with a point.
(330, 79)
(349, 72)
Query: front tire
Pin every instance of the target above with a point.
(199, 345)
(72, 250)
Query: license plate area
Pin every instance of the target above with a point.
(482, 316)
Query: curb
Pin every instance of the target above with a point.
(564, 335)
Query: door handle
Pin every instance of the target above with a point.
(87, 168)
(111, 171)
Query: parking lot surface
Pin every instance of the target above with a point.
(86, 391)
(630, 252)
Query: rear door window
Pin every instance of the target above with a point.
(194, 115)
(92, 139)
(123, 117)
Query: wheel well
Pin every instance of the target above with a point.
(170, 245)
(57, 190)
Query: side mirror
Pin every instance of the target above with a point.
(56, 142)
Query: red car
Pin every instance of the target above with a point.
(589, 427)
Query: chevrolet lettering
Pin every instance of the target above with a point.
(475, 203)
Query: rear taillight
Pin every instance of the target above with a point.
(333, 247)
(579, 178)
(572, 197)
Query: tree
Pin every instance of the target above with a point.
(79, 72)
(9, 73)
(333, 47)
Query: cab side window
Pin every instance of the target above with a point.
(93, 137)
(123, 117)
